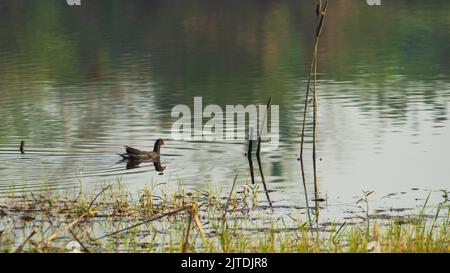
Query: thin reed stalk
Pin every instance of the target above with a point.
(22, 245)
(228, 200)
(224, 216)
(186, 240)
(79, 241)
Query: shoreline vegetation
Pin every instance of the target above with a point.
(170, 220)
(156, 219)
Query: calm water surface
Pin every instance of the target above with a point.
(79, 83)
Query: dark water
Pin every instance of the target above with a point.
(79, 83)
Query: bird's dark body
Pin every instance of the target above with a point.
(136, 154)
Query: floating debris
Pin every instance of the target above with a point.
(22, 147)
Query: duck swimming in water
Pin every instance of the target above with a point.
(135, 154)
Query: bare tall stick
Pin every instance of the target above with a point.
(305, 110)
(314, 94)
(311, 70)
(321, 11)
(303, 137)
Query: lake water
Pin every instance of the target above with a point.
(78, 83)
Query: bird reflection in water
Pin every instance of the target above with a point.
(134, 163)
